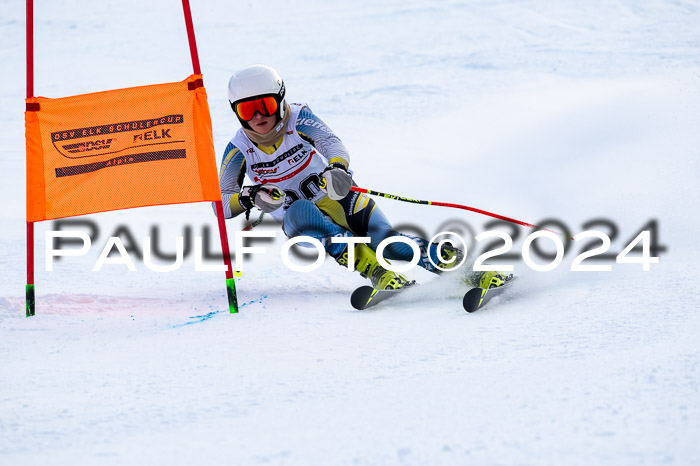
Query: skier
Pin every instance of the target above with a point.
(301, 177)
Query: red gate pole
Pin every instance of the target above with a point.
(29, 290)
(190, 36)
(230, 281)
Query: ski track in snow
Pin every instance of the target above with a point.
(532, 109)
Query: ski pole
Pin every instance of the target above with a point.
(444, 204)
(255, 223)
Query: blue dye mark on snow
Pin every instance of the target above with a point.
(209, 315)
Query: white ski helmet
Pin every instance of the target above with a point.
(256, 81)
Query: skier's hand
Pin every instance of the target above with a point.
(336, 181)
(267, 197)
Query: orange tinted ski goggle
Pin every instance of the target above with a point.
(267, 106)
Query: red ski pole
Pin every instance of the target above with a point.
(454, 206)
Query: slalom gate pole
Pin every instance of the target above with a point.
(190, 36)
(29, 290)
(454, 206)
(230, 281)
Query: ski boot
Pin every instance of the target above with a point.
(489, 279)
(451, 258)
(366, 263)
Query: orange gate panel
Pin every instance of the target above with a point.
(134, 147)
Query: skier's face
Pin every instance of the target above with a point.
(262, 124)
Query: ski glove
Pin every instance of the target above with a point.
(267, 197)
(336, 181)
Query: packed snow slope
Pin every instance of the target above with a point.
(584, 113)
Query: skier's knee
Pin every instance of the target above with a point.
(300, 215)
(301, 207)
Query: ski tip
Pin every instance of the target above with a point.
(366, 296)
(472, 299)
(360, 297)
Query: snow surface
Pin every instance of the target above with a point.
(533, 109)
